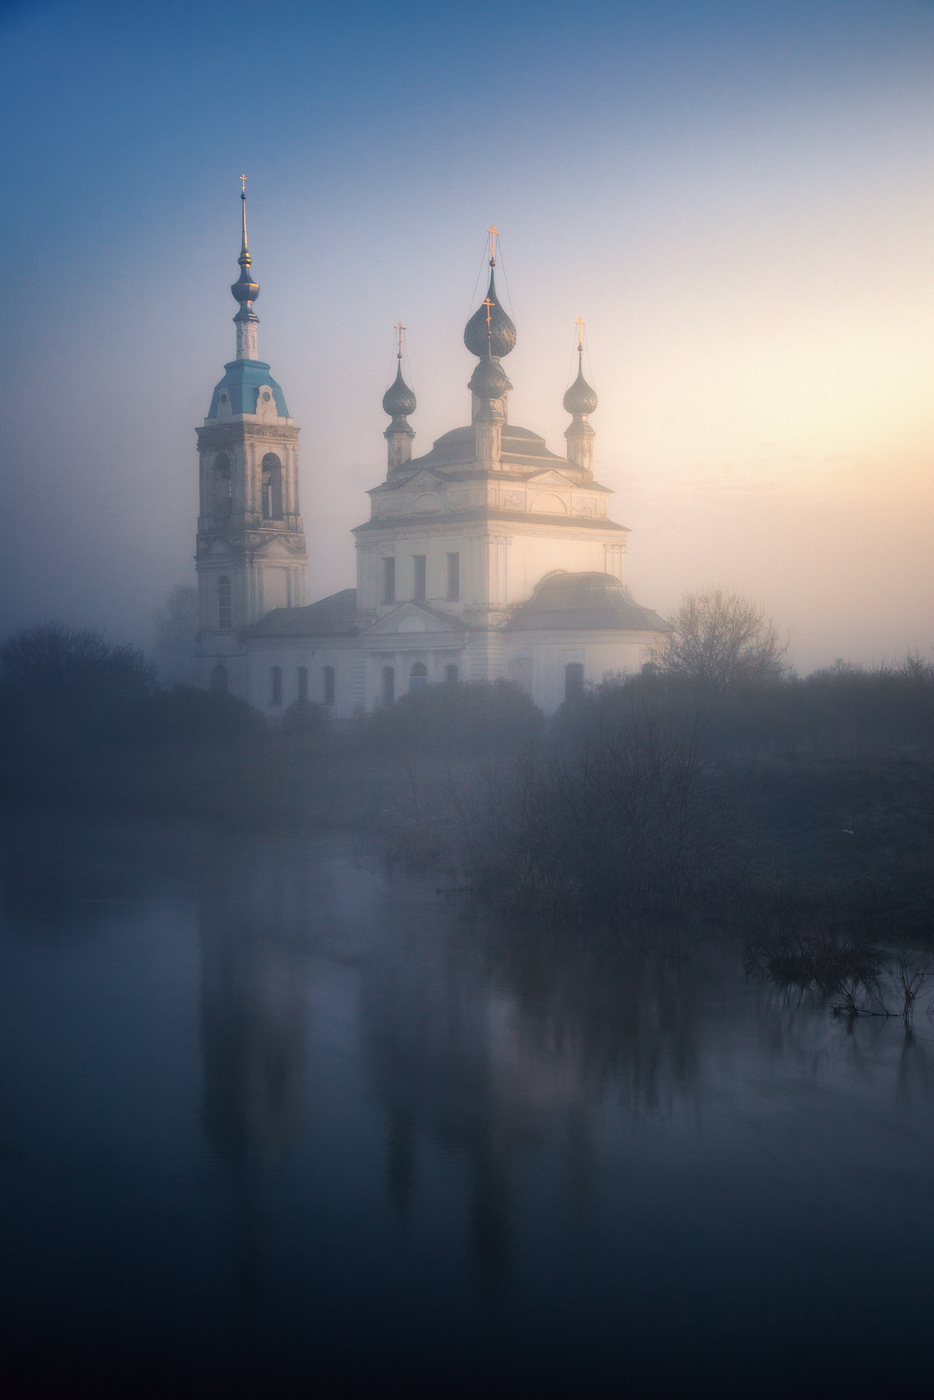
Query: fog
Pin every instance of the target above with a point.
(737, 199)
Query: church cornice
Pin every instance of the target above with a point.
(575, 479)
(232, 434)
(439, 522)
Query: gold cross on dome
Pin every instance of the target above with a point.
(399, 329)
(489, 311)
(493, 232)
(580, 323)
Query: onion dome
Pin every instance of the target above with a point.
(398, 400)
(244, 289)
(580, 398)
(489, 380)
(500, 337)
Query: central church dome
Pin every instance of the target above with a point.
(499, 337)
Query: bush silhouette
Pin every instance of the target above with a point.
(185, 715)
(60, 686)
(467, 718)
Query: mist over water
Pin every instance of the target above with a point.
(276, 1117)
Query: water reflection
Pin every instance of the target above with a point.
(252, 1012)
(424, 1127)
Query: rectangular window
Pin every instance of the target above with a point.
(450, 675)
(275, 685)
(573, 680)
(389, 685)
(329, 685)
(418, 563)
(454, 577)
(303, 683)
(389, 580)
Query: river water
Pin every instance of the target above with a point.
(277, 1120)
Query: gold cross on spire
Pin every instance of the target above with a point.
(580, 323)
(243, 187)
(399, 329)
(493, 232)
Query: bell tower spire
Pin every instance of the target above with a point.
(245, 291)
(250, 552)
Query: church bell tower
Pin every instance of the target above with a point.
(250, 555)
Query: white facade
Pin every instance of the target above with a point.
(488, 558)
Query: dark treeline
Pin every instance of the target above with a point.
(723, 793)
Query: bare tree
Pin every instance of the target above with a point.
(721, 640)
(174, 629)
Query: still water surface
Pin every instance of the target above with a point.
(276, 1121)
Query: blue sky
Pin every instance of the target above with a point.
(736, 197)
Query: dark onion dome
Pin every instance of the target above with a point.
(580, 398)
(245, 289)
(398, 400)
(488, 380)
(503, 333)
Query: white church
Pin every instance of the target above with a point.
(490, 557)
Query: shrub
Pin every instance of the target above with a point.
(60, 686)
(306, 720)
(721, 641)
(466, 718)
(185, 715)
(632, 821)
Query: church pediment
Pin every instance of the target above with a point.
(423, 481)
(411, 619)
(551, 478)
(274, 548)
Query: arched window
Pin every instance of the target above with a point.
(329, 685)
(219, 682)
(272, 487)
(573, 680)
(222, 487)
(275, 685)
(450, 675)
(303, 682)
(389, 685)
(418, 676)
(224, 604)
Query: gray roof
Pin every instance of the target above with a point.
(520, 447)
(584, 602)
(329, 617)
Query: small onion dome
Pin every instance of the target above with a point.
(502, 337)
(245, 289)
(580, 398)
(488, 380)
(398, 399)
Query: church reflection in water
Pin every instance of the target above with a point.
(487, 1045)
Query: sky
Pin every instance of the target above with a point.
(736, 197)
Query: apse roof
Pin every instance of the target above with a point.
(585, 602)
